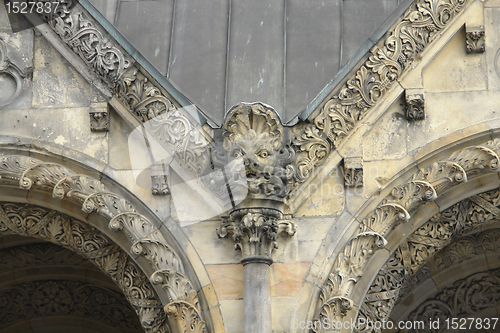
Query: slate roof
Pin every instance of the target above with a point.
(280, 52)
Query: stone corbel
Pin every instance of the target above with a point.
(99, 117)
(474, 39)
(415, 104)
(353, 172)
(159, 179)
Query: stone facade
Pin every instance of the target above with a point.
(381, 205)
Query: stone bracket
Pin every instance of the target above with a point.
(99, 117)
(353, 171)
(415, 104)
(159, 179)
(474, 40)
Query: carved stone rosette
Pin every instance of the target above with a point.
(475, 39)
(256, 231)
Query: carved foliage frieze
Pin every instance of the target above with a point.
(387, 61)
(96, 197)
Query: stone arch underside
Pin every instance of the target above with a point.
(47, 286)
(181, 309)
(460, 281)
(447, 177)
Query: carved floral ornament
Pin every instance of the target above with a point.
(182, 310)
(398, 207)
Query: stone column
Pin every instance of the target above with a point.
(255, 231)
(257, 295)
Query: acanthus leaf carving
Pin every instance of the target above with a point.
(256, 231)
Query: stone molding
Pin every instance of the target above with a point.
(9, 69)
(398, 207)
(94, 196)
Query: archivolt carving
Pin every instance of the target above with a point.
(87, 40)
(466, 297)
(59, 229)
(404, 270)
(398, 206)
(95, 197)
(462, 249)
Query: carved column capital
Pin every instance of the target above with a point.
(256, 232)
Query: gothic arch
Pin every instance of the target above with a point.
(77, 191)
(438, 180)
